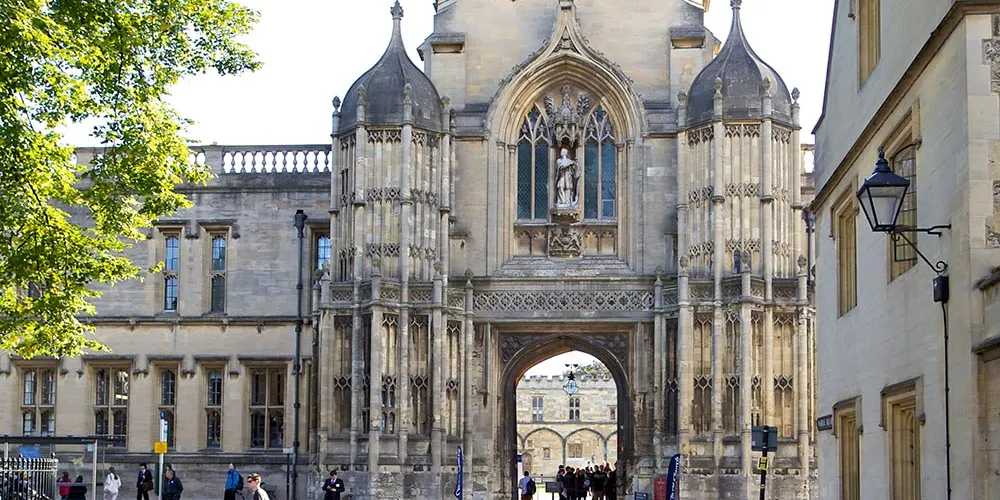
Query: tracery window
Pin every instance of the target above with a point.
(267, 405)
(533, 150)
(599, 159)
(111, 396)
(38, 401)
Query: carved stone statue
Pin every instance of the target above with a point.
(567, 177)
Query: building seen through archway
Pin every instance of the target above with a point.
(563, 420)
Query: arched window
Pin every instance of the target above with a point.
(533, 149)
(599, 167)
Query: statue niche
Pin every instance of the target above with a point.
(568, 176)
(566, 122)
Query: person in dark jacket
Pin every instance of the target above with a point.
(78, 491)
(333, 487)
(172, 487)
(144, 484)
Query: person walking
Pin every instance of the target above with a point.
(256, 492)
(333, 487)
(78, 491)
(144, 484)
(112, 483)
(234, 482)
(64, 488)
(527, 487)
(172, 487)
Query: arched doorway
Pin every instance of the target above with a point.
(530, 350)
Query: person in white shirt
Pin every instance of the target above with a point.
(111, 485)
(256, 492)
(527, 487)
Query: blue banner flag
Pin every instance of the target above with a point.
(673, 478)
(458, 485)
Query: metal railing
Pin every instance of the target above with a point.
(28, 478)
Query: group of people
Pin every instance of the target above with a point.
(594, 482)
(172, 487)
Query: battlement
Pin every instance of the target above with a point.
(557, 381)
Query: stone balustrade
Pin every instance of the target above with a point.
(248, 159)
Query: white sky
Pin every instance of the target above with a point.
(557, 364)
(313, 50)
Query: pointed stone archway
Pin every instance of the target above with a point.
(520, 350)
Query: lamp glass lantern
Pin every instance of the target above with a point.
(881, 196)
(571, 387)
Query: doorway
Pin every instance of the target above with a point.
(586, 441)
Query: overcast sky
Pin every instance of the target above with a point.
(313, 50)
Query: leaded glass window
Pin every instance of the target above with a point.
(600, 162)
(218, 274)
(533, 151)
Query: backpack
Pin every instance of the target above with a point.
(531, 486)
(239, 483)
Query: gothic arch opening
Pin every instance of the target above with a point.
(584, 427)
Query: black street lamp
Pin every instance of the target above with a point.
(300, 224)
(881, 197)
(571, 387)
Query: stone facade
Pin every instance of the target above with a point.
(554, 428)
(456, 245)
(931, 103)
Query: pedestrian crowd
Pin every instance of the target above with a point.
(594, 482)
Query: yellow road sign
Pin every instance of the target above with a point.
(160, 447)
(761, 463)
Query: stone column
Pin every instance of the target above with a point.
(659, 349)
(682, 187)
(467, 336)
(406, 210)
(437, 387)
(445, 206)
(801, 377)
(767, 195)
(767, 248)
(746, 366)
(357, 241)
(685, 329)
(375, 377)
(718, 321)
(796, 166)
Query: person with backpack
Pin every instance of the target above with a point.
(527, 487)
(234, 482)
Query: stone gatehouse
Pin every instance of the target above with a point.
(545, 184)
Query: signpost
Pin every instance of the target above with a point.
(160, 448)
(763, 439)
(824, 423)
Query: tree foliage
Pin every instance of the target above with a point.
(594, 369)
(64, 226)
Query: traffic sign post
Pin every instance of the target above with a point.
(763, 439)
(160, 448)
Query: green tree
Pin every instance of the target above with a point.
(64, 226)
(594, 369)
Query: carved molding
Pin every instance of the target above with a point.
(743, 130)
(699, 135)
(560, 300)
(565, 242)
(617, 344)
